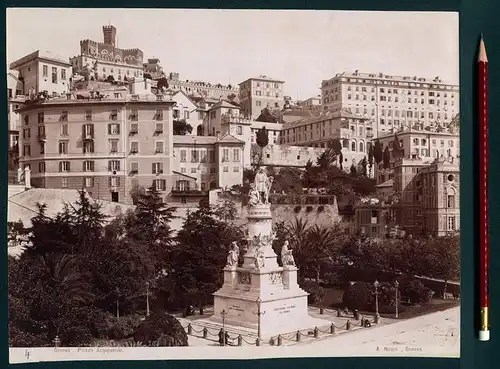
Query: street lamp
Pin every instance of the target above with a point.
(223, 314)
(117, 303)
(396, 284)
(259, 313)
(147, 298)
(376, 284)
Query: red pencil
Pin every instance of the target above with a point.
(484, 241)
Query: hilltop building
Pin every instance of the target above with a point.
(258, 93)
(99, 60)
(201, 88)
(392, 102)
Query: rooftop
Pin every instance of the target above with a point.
(263, 77)
(39, 54)
(325, 115)
(382, 76)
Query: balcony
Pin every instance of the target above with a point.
(41, 137)
(187, 191)
(88, 136)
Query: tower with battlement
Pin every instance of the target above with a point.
(109, 35)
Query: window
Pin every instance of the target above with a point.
(64, 130)
(113, 129)
(442, 143)
(258, 103)
(54, 75)
(212, 170)
(450, 143)
(113, 115)
(183, 156)
(64, 116)
(88, 131)
(63, 147)
(211, 156)
(63, 74)
(225, 155)
(194, 156)
(225, 169)
(26, 133)
(45, 70)
(193, 170)
(157, 168)
(451, 224)
(160, 184)
(41, 117)
(159, 147)
(113, 146)
(114, 165)
(134, 128)
(88, 182)
(64, 166)
(26, 150)
(159, 128)
(134, 147)
(88, 147)
(353, 146)
(88, 166)
(159, 114)
(451, 201)
(88, 115)
(64, 182)
(134, 167)
(239, 130)
(41, 167)
(186, 114)
(236, 155)
(114, 181)
(134, 115)
(236, 169)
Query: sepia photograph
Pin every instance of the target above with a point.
(232, 184)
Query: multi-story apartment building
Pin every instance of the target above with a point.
(201, 88)
(392, 102)
(425, 200)
(354, 131)
(153, 68)
(273, 131)
(427, 144)
(16, 100)
(441, 196)
(42, 71)
(186, 109)
(256, 94)
(106, 143)
(99, 60)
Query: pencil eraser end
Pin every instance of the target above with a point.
(484, 335)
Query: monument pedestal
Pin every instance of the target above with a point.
(261, 289)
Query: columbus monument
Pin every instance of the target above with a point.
(261, 295)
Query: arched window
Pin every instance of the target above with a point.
(361, 147)
(353, 146)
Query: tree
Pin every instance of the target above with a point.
(181, 127)
(162, 84)
(136, 192)
(370, 159)
(364, 164)
(266, 116)
(397, 149)
(199, 256)
(353, 170)
(110, 79)
(231, 97)
(262, 140)
(160, 329)
(336, 146)
(226, 211)
(326, 159)
(387, 158)
(147, 76)
(377, 152)
(444, 258)
(356, 296)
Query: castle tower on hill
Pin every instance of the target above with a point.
(109, 35)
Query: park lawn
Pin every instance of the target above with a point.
(333, 300)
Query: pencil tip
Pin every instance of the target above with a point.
(481, 35)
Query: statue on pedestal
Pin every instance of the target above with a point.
(253, 196)
(259, 258)
(287, 255)
(262, 184)
(233, 257)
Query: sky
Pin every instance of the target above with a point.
(228, 46)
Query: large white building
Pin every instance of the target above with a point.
(258, 93)
(392, 102)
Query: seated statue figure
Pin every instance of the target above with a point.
(234, 254)
(287, 255)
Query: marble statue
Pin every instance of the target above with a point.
(259, 258)
(287, 255)
(234, 254)
(262, 186)
(253, 196)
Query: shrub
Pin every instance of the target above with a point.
(124, 327)
(297, 209)
(316, 292)
(161, 329)
(356, 296)
(309, 209)
(320, 209)
(102, 323)
(414, 292)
